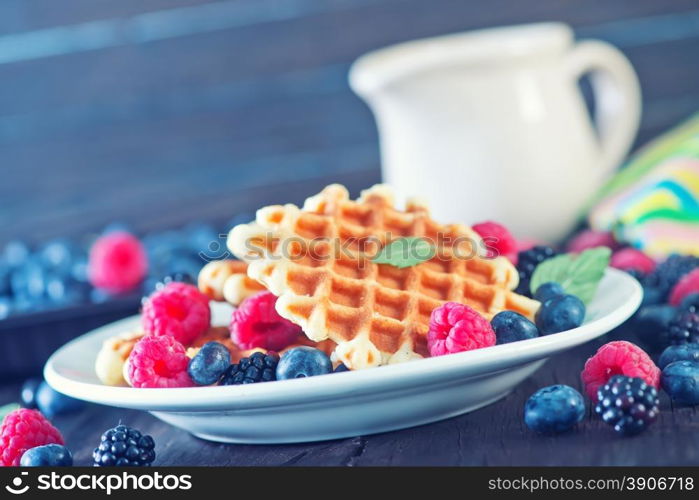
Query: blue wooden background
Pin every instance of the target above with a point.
(158, 112)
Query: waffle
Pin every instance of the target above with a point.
(112, 356)
(317, 261)
(227, 280)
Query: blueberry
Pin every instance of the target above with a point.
(28, 280)
(27, 394)
(510, 326)
(5, 307)
(16, 253)
(681, 352)
(548, 291)
(5, 272)
(652, 296)
(117, 227)
(651, 324)
(208, 365)
(689, 302)
(51, 402)
(50, 455)
(57, 256)
(561, 313)
(556, 408)
(303, 362)
(681, 381)
(341, 368)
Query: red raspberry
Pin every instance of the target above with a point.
(117, 262)
(590, 238)
(158, 362)
(618, 358)
(456, 327)
(24, 429)
(256, 323)
(687, 285)
(498, 239)
(630, 258)
(177, 309)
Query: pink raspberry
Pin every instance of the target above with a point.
(590, 238)
(618, 358)
(630, 258)
(24, 429)
(687, 285)
(498, 239)
(256, 323)
(158, 362)
(117, 262)
(177, 309)
(456, 327)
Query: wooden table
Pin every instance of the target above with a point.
(495, 435)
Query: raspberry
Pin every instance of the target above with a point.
(456, 327)
(22, 430)
(158, 362)
(256, 323)
(498, 239)
(618, 358)
(628, 259)
(179, 310)
(589, 238)
(687, 285)
(117, 262)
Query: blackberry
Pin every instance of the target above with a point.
(257, 368)
(627, 403)
(124, 446)
(684, 328)
(526, 264)
(668, 273)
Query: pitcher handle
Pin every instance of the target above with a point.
(617, 97)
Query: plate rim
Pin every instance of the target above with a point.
(313, 389)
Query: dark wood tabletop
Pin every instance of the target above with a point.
(495, 435)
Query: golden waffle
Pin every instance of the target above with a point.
(316, 260)
(227, 280)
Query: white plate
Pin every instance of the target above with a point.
(343, 404)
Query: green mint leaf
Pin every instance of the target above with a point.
(405, 252)
(578, 275)
(8, 408)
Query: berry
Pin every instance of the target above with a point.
(456, 327)
(208, 365)
(51, 402)
(341, 368)
(548, 291)
(498, 240)
(681, 381)
(259, 367)
(21, 430)
(682, 352)
(117, 262)
(256, 323)
(27, 394)
(553, 409)
(618, 358)
(124, 446)
(158, 362)
(627, 403)
(560, 313)
(510, 326)
(590, 238)
(651, 324)
(684, 328)
(179, 310)
(303, 362)
(631, 259)
(179, 277)
(48, 455)
(668, 273)
(651, 296)
(526, 264)
(690, 303)
(687, 285)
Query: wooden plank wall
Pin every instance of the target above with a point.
(158, 112)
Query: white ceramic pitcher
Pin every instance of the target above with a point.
(492, 125)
